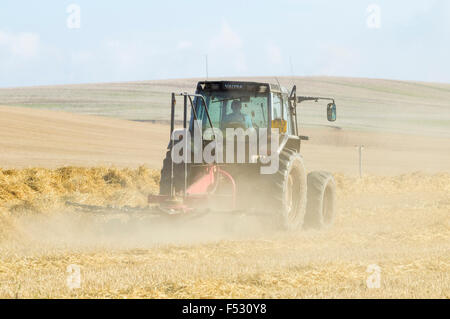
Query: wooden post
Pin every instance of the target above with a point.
(360, 148)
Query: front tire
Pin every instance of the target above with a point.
(321, 203)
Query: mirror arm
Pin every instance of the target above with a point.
(301, 99)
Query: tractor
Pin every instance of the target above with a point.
(290, 196)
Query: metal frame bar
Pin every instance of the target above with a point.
(313, 98)
(185, 145)
(293, 100)
(172, 127)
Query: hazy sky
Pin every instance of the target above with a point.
(143, 40)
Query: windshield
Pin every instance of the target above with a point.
(233, 109)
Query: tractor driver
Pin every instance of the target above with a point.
(236, 116)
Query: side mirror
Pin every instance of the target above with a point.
(331, 112)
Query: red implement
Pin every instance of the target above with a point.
(202, 193)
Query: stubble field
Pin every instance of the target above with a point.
(397, 217)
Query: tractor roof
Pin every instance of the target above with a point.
(240, 85)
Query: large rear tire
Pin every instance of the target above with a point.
(321, 202)
(289, 193)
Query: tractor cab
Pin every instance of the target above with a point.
(235, 104)
(242, 105)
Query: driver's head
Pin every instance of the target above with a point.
(236, 106)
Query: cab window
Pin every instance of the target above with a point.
(276, 107)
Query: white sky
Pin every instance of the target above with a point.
(143, 40)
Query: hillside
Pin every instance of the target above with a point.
(363, 104)
(43, 138)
